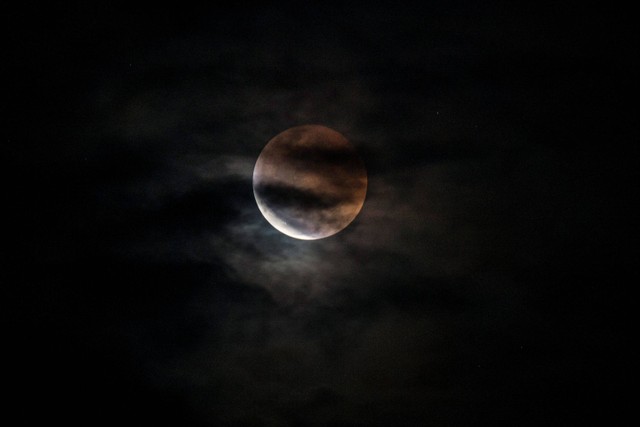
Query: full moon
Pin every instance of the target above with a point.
(309, 182)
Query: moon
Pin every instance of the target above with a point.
(309, 182)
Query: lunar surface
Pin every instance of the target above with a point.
(309, 182)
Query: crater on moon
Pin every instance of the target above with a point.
(309, 182)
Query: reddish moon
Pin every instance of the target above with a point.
(309, 182)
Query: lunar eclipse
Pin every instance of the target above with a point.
(314, 214)
(309, 182)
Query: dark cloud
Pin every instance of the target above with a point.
(338, 159)
(283, 197)
(483, 282)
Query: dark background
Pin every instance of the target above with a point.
(487, 280)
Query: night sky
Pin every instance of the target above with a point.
(486, 281)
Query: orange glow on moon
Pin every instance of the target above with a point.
(309, 182)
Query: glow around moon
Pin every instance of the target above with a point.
(309, 182)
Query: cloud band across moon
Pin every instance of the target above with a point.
(309, 182)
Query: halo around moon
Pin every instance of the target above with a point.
(309, 182)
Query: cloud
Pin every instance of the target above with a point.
(390, 316)
(479, 282)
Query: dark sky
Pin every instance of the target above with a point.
(486, 281)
